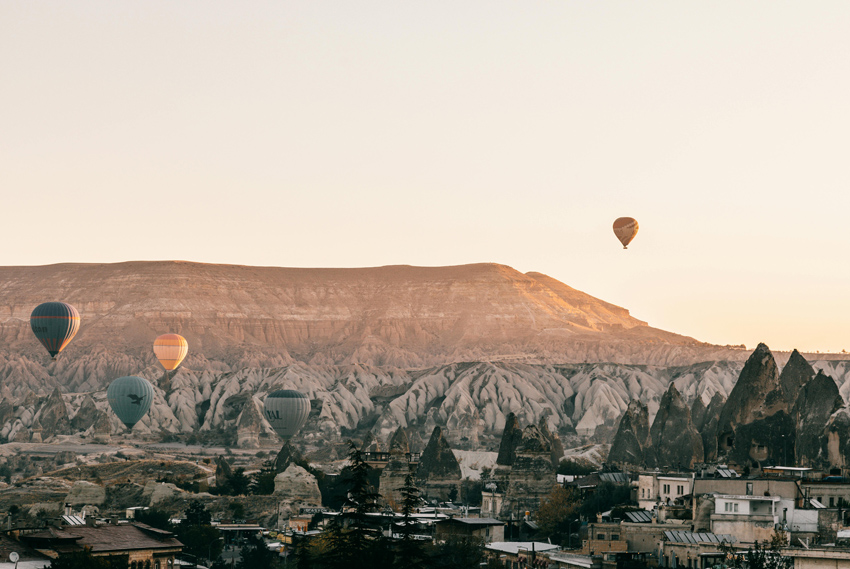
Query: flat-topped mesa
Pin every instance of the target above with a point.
(398, 315)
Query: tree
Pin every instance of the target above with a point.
(262, 482)
(238, 482)
(459, 552)
(348, 539)
(197, 534)
(760, 556)
(555, 513)
(255, 554)
(606, 496)
(155, 518)
(85, 560)
(201, 541)
(197, 514)
(567, 466)
(411, 552)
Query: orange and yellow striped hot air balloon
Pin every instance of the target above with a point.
(170, 349)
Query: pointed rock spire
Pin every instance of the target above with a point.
(795, 375)
(632, 439)
(511, 437)
(674, 439)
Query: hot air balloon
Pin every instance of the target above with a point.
(286, 411)
(130, 397)
(170, 349)
(625, 228)
(54, 324)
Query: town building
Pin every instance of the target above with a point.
(656, 488)
(139, 543)
(488, 529)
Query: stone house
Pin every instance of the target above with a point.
(657, 488)
(488, 529)
(139, 543)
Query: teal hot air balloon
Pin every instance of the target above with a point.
(54, 324)
(286, 411)
(130, 397)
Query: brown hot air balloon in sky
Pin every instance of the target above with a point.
(625, 228)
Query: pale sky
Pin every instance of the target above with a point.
(348, 134)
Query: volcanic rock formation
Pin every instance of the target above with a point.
(439, 473)
(396, 470)
(674, 439)
(756, 426)
(532, 474)
(816, 402)
(632, 441)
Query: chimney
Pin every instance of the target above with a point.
(68, 511)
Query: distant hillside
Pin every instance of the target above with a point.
(387, 316)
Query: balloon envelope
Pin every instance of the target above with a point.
(286, 411)
(625, 228)
(54, 324)
(170, 349)
(130, 397)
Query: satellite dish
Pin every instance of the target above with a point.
(13, 557)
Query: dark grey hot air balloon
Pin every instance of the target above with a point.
(54, 324)
(286, 411)
(130, 397)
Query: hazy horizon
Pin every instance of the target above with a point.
(317, 134)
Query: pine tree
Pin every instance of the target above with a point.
(349, 539)
(411, 552)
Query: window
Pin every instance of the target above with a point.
(615, 537)
(642, 490)
(735, 507)
(727, 507)
(831, 502)
(749, 488)
(600, 536)
(680, 490)
(666, 488)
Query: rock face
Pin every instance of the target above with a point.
(632, 441)
(296, 484)
(223, 472)
(156, 492)
(53, 417)
(511, 439)
(249, 425)
(554, 440)
(708, 430)
(532, 474)
(816, 402)
(838, 438)
(394, 473)
(756, 426)
(674, 439)
(795, 375)
(286, 456)
(438, 472)
(83, 493)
